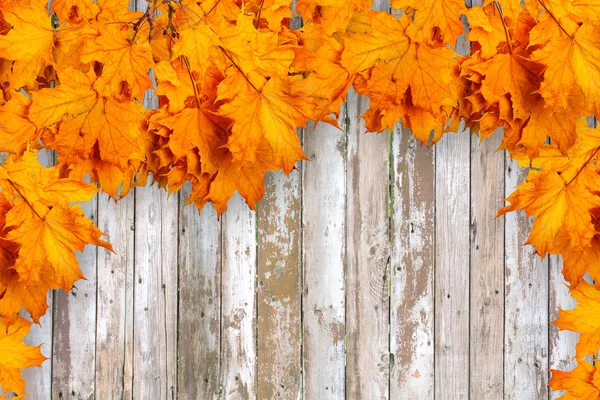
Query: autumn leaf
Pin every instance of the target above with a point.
(583, 382)
(577, 320)
(16, 355)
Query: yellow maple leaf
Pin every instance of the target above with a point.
(16, 355)
(578, 320)
(582, 383)
(271, 115)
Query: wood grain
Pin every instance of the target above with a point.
(279, 287)
(452, 266)
(324, 252)
(155, 294)
(487, 269)
(525, 305)
(74, 343)
(368, 250)
(115, 302)
(199, 341)
(238, 301)
(412, 267)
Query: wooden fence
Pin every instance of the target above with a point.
(377, 270)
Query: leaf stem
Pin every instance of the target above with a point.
(504, 26)
(584, 164)
(555, 20)
(26, 201)
(238, 68)
(189, 70)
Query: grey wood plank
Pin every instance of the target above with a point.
(561, 343)
(412, 267)
(114, 315)
(199, 301)
(74, 344)
(487, 269)
(525, 305)
(452, 266)
(323, 249)
(39, 380)
(238, 301)
(155, 294)
(368, 250)
(279, 288)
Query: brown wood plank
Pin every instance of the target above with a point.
(323, 249)
(279, 287)
(367, 296)
(487, 269)
(412, 267)
(199, 301)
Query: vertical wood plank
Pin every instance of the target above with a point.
(74, 347)
(452, 266)
(412, 263)
(39, 380)
(238, 299)
(114, 322)
(561, 343)
(487, 269)
(367, 297)
(279, 288)
(526, 305)
(155, 294)
(199, 301)
(323, 249)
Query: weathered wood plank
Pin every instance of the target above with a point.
(238, 300)
(199, 301)
(487, 269)
(323, 249)
(452, 266)
(279, 288)
(74, 347)
(525, 305)
(114, 322)
(39, 380)
(412, 267)
(368, 249)
(561, 343)
(155, 294)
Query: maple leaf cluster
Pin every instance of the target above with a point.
(229, 82)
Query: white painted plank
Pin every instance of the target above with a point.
(487, 269)
(114, 323)
(279, 289)
(412, 267)
(74, 347)
(452, 266)
(323, 248)
(199, 301)
(368, 249)
(526, 305)
(238, 301)
(155, 294)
